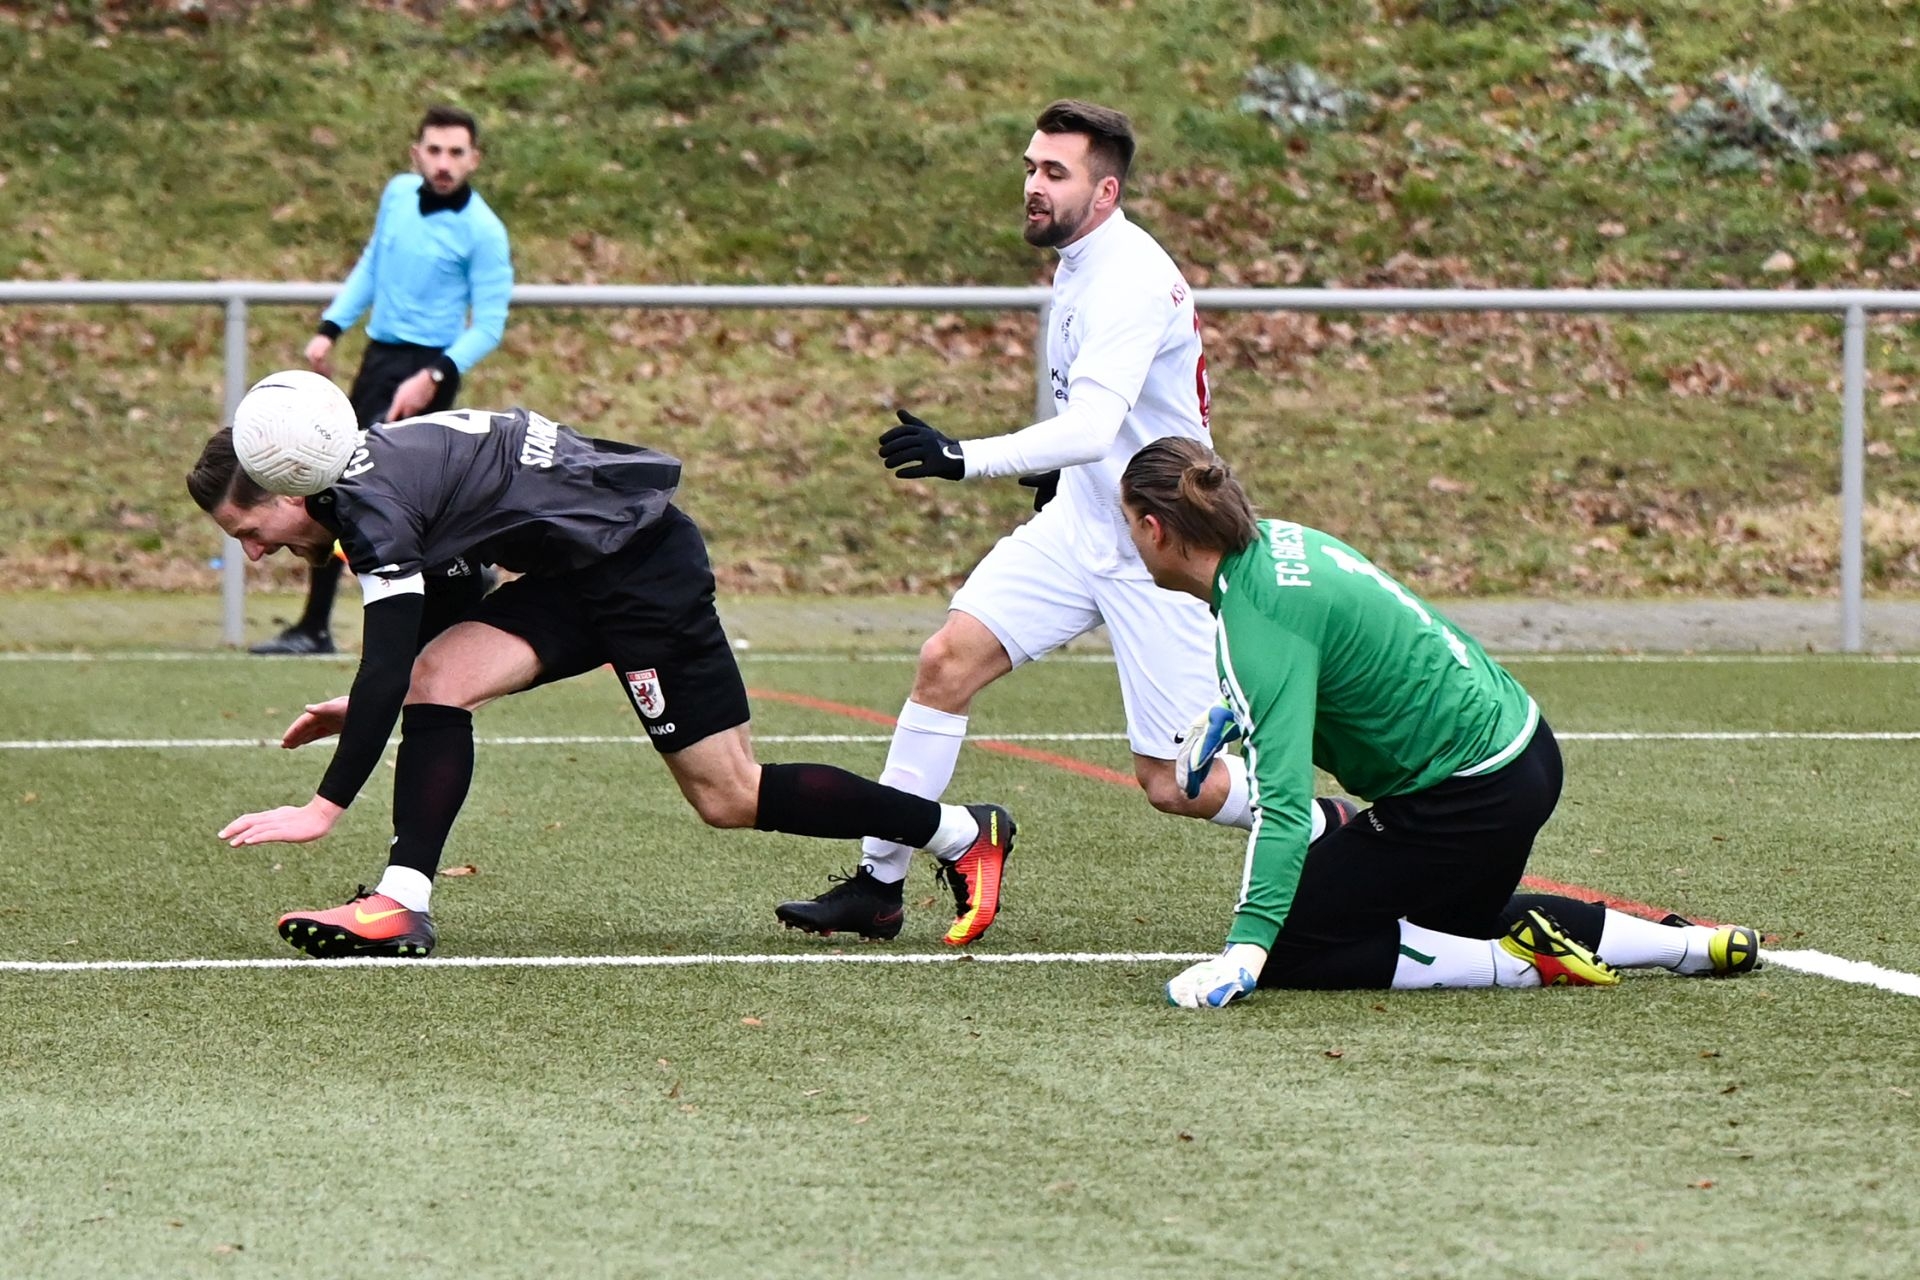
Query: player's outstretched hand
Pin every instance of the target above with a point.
(319, 720)
(1217, 983)
(915, 451)
(1045, 487)
(289, 824)
(1204, 739)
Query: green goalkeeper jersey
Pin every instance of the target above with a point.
(1330, 662)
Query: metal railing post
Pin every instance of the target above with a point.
(1853, 475)
(233, 561)
(1042, 376)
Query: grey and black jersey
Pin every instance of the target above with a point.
(511, 488)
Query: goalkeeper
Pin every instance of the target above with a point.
(1325, 660)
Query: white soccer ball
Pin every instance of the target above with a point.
(295, 432)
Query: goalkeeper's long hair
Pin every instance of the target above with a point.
(1192, 492)
(218, 476)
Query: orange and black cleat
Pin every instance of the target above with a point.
(371, 925)
(975, 875)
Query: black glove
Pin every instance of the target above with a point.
(1044, 486)
(915, 451)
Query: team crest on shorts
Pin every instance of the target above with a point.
(647, 694)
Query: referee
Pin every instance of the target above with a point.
(438, 275)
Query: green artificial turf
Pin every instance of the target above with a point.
(846, 1118)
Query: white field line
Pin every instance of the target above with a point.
(556, 740)
(1097, 658)
(607, 962)
(1826, 966)
(1818, 963)
(790, 739)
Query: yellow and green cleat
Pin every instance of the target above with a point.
(1557, 958)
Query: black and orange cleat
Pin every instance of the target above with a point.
(372, 924)
(858, 903)
(975, 875)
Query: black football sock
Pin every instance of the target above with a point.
(430, 780)
(821, 800)
(323, 583)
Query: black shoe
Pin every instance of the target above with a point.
(296, 640)
(855, 904)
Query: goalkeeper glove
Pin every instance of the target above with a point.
(1044, 486)
(915, 451)
(1204, 739)
(1217, 983)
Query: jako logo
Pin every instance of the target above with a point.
(661, 730)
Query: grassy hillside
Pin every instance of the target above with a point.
(878, 142)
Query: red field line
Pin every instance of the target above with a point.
(1537, 883)
(1014, 749)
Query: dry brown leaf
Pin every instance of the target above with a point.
(749, 1022)
(464, 869)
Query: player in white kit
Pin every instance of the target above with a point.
(1123, 352)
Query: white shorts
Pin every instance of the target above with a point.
(1032, 593)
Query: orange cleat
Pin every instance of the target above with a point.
(975, 875)
(372, 924)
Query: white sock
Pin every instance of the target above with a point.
(407, 887)
(1628, 942)
(1237, 809)
(958, 830)
(926, 746)
(1429, 959)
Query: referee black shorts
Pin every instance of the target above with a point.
(383, 368)
(648, 610)
(1447, 858)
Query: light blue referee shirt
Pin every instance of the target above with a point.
(423, 274)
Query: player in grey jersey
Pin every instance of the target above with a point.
(612, 571)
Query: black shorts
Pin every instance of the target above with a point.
(383, 368)
(1447, 858)
(648, 610)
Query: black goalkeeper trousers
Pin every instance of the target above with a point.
(1447, 858)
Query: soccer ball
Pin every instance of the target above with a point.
(295, 432)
